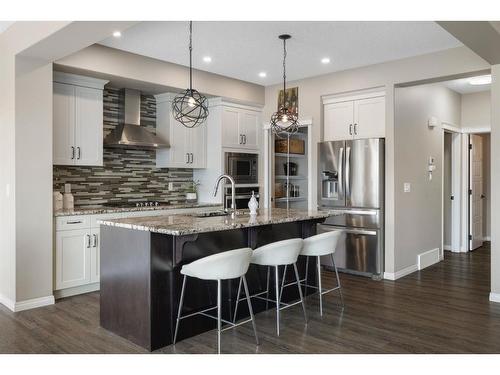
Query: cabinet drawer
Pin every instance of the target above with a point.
(72, 222)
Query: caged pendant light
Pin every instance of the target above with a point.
(284, 121)
(190, 107)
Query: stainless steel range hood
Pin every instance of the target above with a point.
(129, 133)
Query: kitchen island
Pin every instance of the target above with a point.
(141, 258)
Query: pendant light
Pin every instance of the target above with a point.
(284, 121)
(190, 107)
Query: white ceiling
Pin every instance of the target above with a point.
(4, 25)
(462, 86)
(243, 49)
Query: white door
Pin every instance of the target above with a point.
(338, 121)
(64, 124)
(476, 192)
(249, 125)
(89, 126)
(369, 118)
(95, 257)
(197, 146)
(72, 258)
(231, 136)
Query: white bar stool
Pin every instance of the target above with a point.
(223, 266)
(318, 246)
(274, 255)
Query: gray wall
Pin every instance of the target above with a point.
(418, 213)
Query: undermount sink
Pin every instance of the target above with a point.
(211, 213)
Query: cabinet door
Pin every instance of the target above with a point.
(197, 146)
(72, 258)
(63, 124)
(249, 128)
(89, 126)
(369, 118)
(179, 145)
(95, 256)
(338, 121)
(231, 136)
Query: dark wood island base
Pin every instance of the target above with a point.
(141, 280)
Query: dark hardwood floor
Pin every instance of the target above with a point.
(442, 309)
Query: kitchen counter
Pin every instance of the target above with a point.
(141, 260)
(179, 225)
(96, 210)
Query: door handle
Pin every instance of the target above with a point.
(341, 170)
(347, 171)
(350, 129)
(79, 153)
(72, 152)
(88, 241)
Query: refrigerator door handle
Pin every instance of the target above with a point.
(355, 212)
(341, 171)
(347, 172)
(328, 228)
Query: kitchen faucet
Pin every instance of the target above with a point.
(233, 193)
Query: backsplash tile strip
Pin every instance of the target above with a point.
(127, 175)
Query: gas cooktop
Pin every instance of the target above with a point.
(134, 204)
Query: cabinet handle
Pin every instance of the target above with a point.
(94, 243)
(355, 129)
(241, 139)
(244, 139)
(187, 158)
(72, 152)
(192, 158)
(79, 153)
(88, 241)
(74, 222)
(350, 129)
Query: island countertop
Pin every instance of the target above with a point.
(185, 224)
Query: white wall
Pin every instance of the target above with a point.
(476, 110)
(451, 62)
(418, 213)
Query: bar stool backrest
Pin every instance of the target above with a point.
(321, 244)
(222, 266)
(278, 253)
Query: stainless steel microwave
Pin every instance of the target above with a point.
(242, 167)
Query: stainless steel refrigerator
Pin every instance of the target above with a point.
(351, 182)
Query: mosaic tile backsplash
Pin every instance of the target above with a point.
(127, 175)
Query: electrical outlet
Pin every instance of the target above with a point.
(170, 186)
(407, 187)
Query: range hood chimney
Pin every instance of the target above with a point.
(129, 133)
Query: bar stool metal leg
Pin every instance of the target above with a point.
(237, 301)
(307, 272)
(283, 282)
(180, 308)
(276, 292)
(338, 281)
(218, 314)
(300, 290)
(267, 285)
(250, 309)
(320, 290)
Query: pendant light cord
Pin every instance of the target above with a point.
(190, 55)
(284, 72)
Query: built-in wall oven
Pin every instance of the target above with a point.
(243, 195)
(242, 167)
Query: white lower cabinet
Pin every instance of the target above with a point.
(73, 258)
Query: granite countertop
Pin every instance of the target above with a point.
(184, 224)
(95, 210)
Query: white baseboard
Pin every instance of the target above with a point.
(495, 297)
(398, 274)
(7, 302)
(486, 238)
(428, 258)
(447, 247)
(34, 303)
(76, 290)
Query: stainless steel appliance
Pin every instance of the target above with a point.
(242, 196)
(351, 182)
(242, 167)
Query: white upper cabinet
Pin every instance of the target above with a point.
(188, 146)
(77, 120)
(354, 117)
(240, 128)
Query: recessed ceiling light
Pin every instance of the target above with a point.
(117, 34)
(207, 59)
(325, 60)
(482, 80)
(262, 74)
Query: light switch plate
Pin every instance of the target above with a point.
(407, 187)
